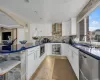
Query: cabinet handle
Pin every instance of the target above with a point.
(84, 56)
(34, 56)
(72, 54)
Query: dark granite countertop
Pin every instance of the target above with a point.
(21, 48)
(93, 52)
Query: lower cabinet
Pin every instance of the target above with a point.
(73, 57)
(33, 61)
(23, 65)
(30, 65)
(75, 64)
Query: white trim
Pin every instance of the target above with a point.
(10, 26)
(85, 29)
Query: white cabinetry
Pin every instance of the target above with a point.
(48, 48)
(23, 65)
(33, 58)
(64, 49)
(69, 27)
(66, 28)
(73, 26)
(33, 61)
(73, 57)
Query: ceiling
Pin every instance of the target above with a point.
(6, 21)
(43, 11)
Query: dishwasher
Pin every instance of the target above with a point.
(89, 67)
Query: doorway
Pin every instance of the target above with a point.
(6, 36)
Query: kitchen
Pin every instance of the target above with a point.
(34, 41)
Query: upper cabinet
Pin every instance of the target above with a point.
(69, 27)
(57, 29)
(66, 28)
(73, 26)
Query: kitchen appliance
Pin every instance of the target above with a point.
(45, 40)
(56, 49)
(89, 67)
(42, 50)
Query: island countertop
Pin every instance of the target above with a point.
(7, 66)
(21, 48)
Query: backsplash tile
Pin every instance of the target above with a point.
(54, 38)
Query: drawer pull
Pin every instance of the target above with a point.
(84, 56)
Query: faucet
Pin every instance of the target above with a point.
(90, 41)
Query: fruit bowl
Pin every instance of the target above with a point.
(23, 42)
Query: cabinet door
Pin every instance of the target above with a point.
(75, 64)
(64, 50)
(48, 49)
(70, 56)
(23, 63)
(73, 26)
(73, 57)
(30, 65)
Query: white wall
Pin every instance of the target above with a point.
(42, 30)
(66, 28)
(20, 35)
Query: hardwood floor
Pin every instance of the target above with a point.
(55, 68)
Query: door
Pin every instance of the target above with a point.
(6, 36)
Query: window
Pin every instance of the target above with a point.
(94, 25)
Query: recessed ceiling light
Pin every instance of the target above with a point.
(35, 12)
(26, 0)
(40, 18)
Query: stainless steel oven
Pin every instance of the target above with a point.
(56, 49)
(42, 50)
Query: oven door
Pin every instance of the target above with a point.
(42, 50)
